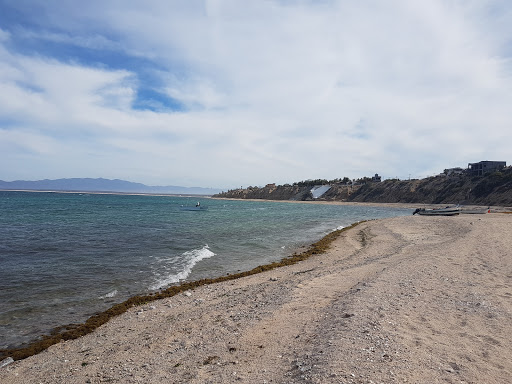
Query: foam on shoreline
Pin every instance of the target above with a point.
(74, 331)
(191, 259)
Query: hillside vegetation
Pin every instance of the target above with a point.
(491, 189)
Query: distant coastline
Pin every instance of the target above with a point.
(108, 193)
(100, 185)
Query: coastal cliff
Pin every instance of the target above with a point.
(491, 189)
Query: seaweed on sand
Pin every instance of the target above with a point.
(74, 331)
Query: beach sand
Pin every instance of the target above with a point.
(403, 300)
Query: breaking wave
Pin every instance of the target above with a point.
(189, 259)
(109, 295)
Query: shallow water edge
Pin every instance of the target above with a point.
(74, 331)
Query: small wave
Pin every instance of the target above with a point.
(108, 295)
(192, 258)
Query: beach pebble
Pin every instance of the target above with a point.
(6, 362)
(188, 294)
(273, 279)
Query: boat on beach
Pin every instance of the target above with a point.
(447, 211)
(475, 211)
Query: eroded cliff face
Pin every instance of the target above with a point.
(279, 192)
(491, 189)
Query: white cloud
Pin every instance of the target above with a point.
(274, 91)
(26, 141)
(90, 40)
(4, 35)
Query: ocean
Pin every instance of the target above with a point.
(67, 256)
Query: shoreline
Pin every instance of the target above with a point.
(74, 331)
(416, 299)
(494, 208)
(69, 328)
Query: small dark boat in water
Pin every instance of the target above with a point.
(197, 207)
(193, 208)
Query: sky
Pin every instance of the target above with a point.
(232, 93)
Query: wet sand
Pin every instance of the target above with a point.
(409, 299)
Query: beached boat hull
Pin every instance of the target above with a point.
(448, 211)
(475, 211)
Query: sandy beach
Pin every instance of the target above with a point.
(403, 300)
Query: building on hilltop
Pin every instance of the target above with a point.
(482, 167)
(377, 178)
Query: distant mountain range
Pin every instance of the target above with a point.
(102, 185)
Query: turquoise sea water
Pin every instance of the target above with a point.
(64, 257)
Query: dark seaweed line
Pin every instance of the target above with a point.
(74, 331)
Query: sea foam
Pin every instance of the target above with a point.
(191, 259)
(108, 295)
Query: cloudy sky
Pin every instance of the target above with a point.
(228, 93)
